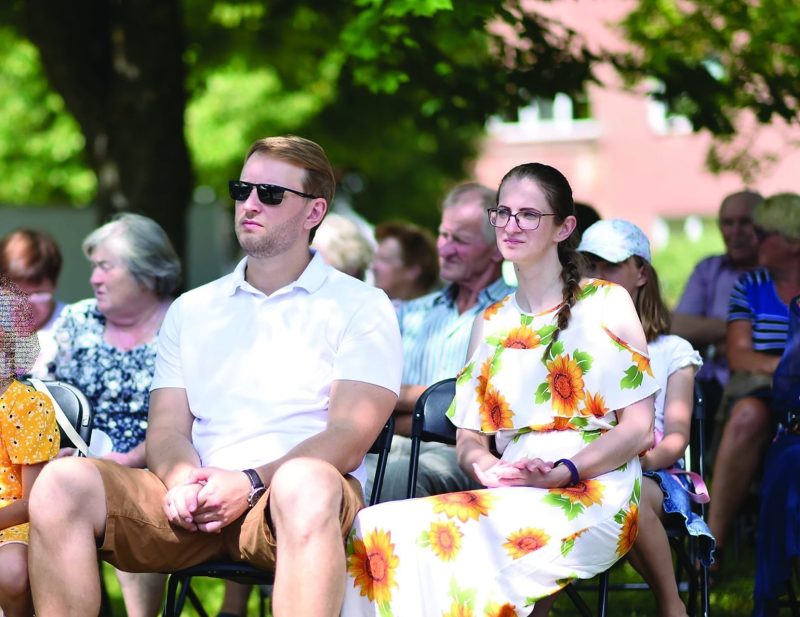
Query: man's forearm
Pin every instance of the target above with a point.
(409, 393)
(171, 456)
(698, 330)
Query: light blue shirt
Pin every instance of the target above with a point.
(436, 336)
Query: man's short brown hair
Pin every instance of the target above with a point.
(319, 179)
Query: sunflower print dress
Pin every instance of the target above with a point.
(495, 552)
(28, 435)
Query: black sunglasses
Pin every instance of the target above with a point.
(268, 194)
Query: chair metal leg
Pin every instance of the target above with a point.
(192, 595)
(578, 601)
(602, 595)
(169, 604)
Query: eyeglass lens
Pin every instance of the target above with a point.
(526, 219)
(268, 194)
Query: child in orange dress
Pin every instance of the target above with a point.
(29, 438)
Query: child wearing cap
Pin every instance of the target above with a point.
(28, 439)
(618, 251)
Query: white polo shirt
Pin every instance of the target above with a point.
(258, 369)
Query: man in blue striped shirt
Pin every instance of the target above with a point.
(436, 330)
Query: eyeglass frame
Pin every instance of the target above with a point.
(263, 188)
(496, 212)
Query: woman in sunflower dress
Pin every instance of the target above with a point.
(29, 438)
(558, 375)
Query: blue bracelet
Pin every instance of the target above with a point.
(573, 471)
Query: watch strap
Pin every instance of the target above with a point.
(257, 487)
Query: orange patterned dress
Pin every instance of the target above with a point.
(495, 552)
(28, 435)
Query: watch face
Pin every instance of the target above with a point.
(255, 495)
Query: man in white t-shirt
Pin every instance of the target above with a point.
(270, 386)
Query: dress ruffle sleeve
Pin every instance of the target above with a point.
(589, 373)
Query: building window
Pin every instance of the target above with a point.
(561, 118)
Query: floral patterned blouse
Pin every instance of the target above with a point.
(28, 435)
(116, 382)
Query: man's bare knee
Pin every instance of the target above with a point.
(749, 417)
(304, 492)
(67, 489)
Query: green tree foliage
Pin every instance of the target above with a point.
(716, 58)
(41, 146)
(397, 91)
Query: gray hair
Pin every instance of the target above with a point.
(474, 192)
(343, 245)
(145, 248)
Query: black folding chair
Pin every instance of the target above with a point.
(76, 408)
(179, 583)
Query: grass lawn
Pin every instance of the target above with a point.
(730, 598)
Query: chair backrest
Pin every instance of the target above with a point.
(381, 447)
(75, 406)
(429, 423)
(695, 451)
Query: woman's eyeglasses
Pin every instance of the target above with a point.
(268, 194)
(528, 220)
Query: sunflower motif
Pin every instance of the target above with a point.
(445, 540)
(495, 412)
(565, 379)
(630, 529)
(642, 362)
(464, 505)
(522, 337)
(586, 492)
(493, 309)
(559, 423)
(372, 564)
(483, 379)
(525, 541)
(594, 405)
(493, 609)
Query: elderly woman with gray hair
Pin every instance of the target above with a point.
(107, 348)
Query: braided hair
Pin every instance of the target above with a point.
(558, 192)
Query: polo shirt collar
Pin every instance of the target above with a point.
(492, 293)
(311, 279)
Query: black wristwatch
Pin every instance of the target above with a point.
(256, 487)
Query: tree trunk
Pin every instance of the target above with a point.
(118, 65)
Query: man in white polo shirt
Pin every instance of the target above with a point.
(270, 385)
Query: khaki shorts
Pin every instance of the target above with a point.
(139, 538)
